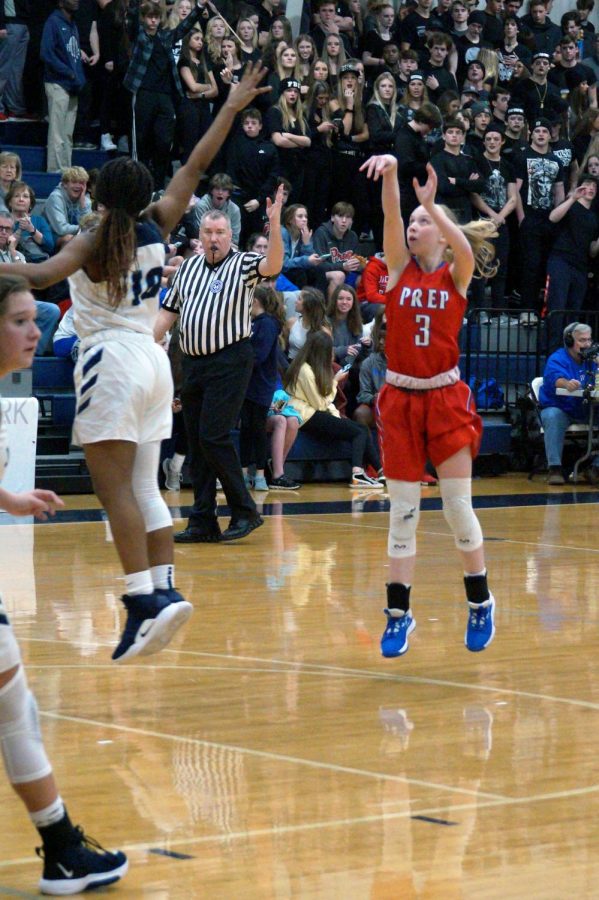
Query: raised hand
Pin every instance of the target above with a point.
(273, 207)
(426, 192)
(242, 94)
(379, 165)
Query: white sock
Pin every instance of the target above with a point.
(163, 576)
(139, 583)
(48, 816)
(177, 461)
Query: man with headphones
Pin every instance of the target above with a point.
(566, 368)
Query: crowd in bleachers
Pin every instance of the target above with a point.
(501, 100)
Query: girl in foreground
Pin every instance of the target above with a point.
(424, 410)
(122, 378)
(71, 862)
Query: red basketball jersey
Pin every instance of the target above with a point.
(424, 316)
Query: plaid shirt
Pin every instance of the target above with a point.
(142, 47)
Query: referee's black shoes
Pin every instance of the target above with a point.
(194, 535)
(240, 528)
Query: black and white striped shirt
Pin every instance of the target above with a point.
(214, 302)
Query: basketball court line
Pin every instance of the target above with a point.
(278, 830)
(299, 667)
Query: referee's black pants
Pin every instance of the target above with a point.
(213, 390)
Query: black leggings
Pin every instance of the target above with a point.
(252, 434)
(363, 450)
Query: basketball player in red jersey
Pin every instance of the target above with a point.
(424, 410)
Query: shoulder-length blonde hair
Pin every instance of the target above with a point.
(254, 38)
(342, 54)
(290, 113)
(281, 72)
(212, 43)
(376, 99)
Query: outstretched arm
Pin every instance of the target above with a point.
(167, 211)
(273, 261)
(462, 267)
(394, 239)
(73, 256)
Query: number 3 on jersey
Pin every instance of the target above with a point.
(422, 338)
(152, 279)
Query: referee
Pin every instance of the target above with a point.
(212, 293)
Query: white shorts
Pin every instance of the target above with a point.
(124, 391)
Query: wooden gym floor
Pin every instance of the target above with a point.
(272, 753)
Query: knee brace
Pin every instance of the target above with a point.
(20, 737)
(403, 517)
(154, 510)
(456, 494)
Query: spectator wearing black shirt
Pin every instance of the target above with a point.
(515, 131)
(481, 119)
(349, 144)
(253, 164)
(417, 24)
(437, 76)
(499, 99)
(412, 153)
(153, 79)
(568, 64)
(383, 121)
(540, 185)
(545, 33)
(470, 43)
(576, 227)
(538, 97)
(318, 170)
(459, 19)
(496, 200)
(493, 27)
(288, 130)
(458, 175)
(267, 13)
(327, 12)
(564, 150)
(376, 40)
(511, 50)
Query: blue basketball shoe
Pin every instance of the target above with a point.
(152, 620)
(394, 641)
(480, 629)
(79, 866)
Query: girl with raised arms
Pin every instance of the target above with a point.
(424, 410)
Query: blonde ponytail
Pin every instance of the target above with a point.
(479, 233)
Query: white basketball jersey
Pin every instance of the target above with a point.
(139, 308)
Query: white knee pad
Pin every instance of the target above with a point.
(456, 494)
(154, 510)
(403, 517)
(20, 737)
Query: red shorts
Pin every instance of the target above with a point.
(418, 425)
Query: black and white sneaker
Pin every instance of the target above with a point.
(283, 483)
(79, 866)
(362, 480)
(152, 620)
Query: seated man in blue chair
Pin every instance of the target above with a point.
(566, 368)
